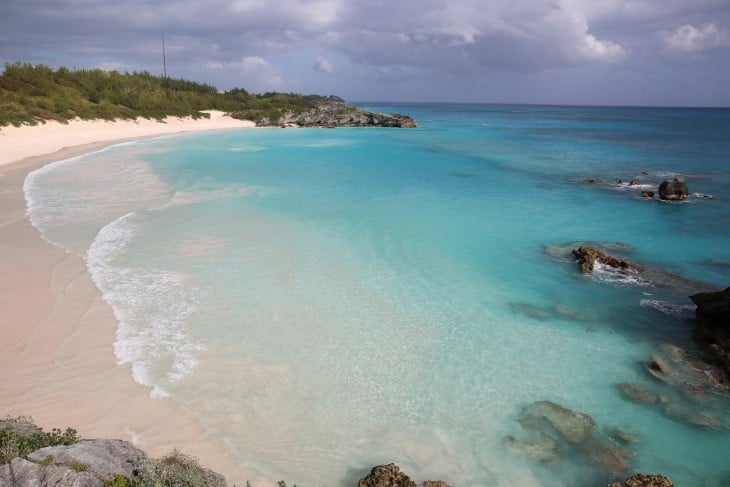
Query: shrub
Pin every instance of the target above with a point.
(20, 436)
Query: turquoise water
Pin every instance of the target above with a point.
(329, 300)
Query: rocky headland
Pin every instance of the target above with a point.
(333, 114)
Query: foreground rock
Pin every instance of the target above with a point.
(674, 190)
(88, 463)
(332, 115)
(640, 480)
(587, 258)
(391, 476)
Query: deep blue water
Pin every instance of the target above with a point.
(327, 300)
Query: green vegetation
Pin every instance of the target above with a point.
(30, 94)
(20, 436)
(174, 469)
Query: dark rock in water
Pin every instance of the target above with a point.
(641, 480)
(713, 322)
(590, 180)
(674, 190)
(637, 393)
(545, 449)
(565, 251)
(386, 476)
(658, 368)
(587, 257)
(574, 426)
(647, 194)
(644, 173)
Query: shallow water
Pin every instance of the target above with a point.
(328, 300)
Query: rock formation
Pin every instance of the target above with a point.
(88, 463)
(713, 322)
(587, 258)
(391, 476)
(674, 190)
(332, 115)
(640, 480)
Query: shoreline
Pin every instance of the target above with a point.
(57, 362)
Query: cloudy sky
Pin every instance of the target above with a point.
(628, 52)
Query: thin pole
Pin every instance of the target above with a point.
(164, 61)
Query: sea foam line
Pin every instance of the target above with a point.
(151, 306)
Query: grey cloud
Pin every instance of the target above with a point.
(467, 38)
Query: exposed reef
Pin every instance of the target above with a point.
(336, 114)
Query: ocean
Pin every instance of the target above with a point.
(327, 300)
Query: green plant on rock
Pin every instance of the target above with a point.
(175, 469)
(20, 436)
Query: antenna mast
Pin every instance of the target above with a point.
(164, 61)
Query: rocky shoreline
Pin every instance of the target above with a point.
(117, 463)
(338, 114)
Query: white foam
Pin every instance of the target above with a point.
(247, 148)
(151, 305)
(666, 307)
(623, 277)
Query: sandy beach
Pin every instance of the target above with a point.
(56, 358)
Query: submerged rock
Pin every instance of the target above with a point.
(545, 449)
(691, 416)
(613, 458)
(647, 194)
(674, 190)
(637, 393)
(574, 426)
(622, 437)
(587, 258)
(386, 476)
(641, 480)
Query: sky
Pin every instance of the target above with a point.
(584, 52)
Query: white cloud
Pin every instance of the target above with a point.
(689, 38)
(323, 66)
(601, 51)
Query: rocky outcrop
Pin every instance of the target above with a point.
(391, 476)
(87, 463)
(587, 258)
(674, 190)
(713, 323)
(332, 115)
(641, 480)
